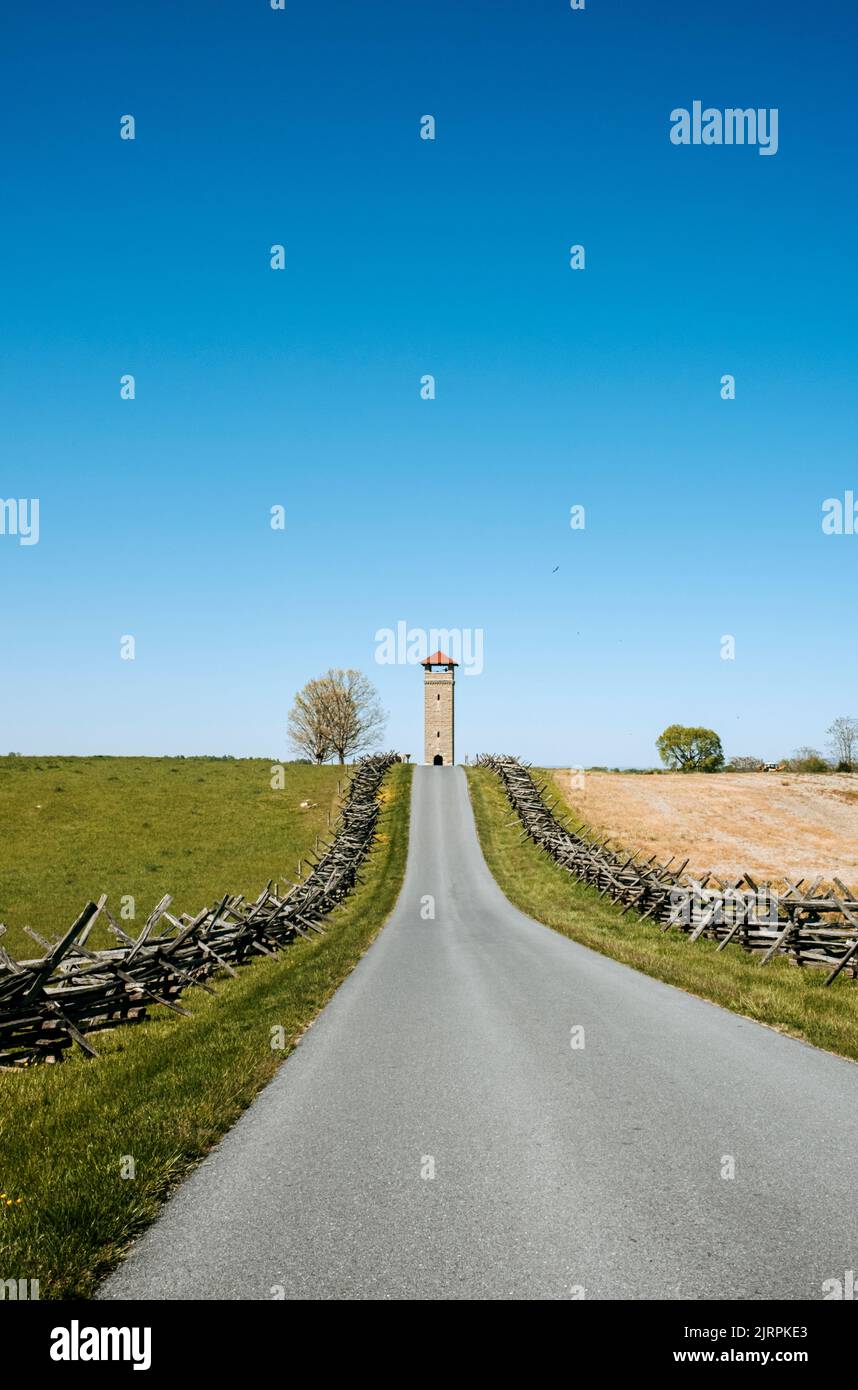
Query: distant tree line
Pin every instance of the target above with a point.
(684, 748)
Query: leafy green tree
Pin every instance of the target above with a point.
(690, 749)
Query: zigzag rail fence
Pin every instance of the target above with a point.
(807, 921)
(50, 1003)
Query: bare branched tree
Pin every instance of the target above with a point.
(340, 713)
(307, 722)
(843, 742)
(354, 717)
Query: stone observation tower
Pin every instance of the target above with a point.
(438, 681)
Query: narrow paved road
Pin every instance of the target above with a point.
(448, 1050)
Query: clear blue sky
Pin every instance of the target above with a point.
(406, 257)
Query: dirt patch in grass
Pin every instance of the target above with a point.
(794, 1002)
(771, 825)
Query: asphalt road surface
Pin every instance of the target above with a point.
(436, 1135)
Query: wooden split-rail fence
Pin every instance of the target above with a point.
(812, 923)
(70, 992)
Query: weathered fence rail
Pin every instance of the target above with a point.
(814, 924)
(70, 991)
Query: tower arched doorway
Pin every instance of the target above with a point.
(438, 761)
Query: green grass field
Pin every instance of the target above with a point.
(73, 828)
(162, 1093)
(790, 1000)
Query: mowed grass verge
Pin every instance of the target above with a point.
(164, 1092)
(73, 828)
(778, 994)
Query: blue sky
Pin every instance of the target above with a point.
(301, 388)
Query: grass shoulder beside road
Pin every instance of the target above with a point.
(163, 1093)
(791, 1000)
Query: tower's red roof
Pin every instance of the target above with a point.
(438, 659)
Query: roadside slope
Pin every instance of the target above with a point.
(163, 1093)
(793, 1001)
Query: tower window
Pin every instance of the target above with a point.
(438, 696)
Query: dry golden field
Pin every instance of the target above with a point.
(774, 825)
